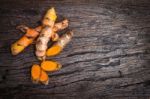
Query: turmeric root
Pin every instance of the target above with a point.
(38, 75)
(46, 34)
(60, 44)
(50, 66)
(41, 44)
(24, 41)
(16, 49)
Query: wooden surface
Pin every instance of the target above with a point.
(108, 58)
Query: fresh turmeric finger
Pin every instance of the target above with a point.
(60, 44)
(35, 73)
(44, 79)
(46, 34)
(24, 41)
(50, 66)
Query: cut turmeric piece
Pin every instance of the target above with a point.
(35, 73)
(44, 78)
(60, 44)
(50, 66)
(54, 50)
(38, 75)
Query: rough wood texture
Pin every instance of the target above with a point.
(109, 56)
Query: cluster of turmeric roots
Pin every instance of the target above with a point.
(42, 35)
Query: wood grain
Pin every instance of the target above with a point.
(108, 58)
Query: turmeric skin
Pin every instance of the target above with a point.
(46, 34)
(35, 73)
(60, 44)
(50, 66)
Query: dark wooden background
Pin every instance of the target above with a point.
(108, 58)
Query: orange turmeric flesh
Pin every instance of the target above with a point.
(44, 78)
(54, 50)
(50, 66)
(35, 73)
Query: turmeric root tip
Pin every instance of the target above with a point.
(50, 66)
(23, 28)
(35, 73)
(50, 17)
(16, 49)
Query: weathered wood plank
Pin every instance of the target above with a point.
(108, 57)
